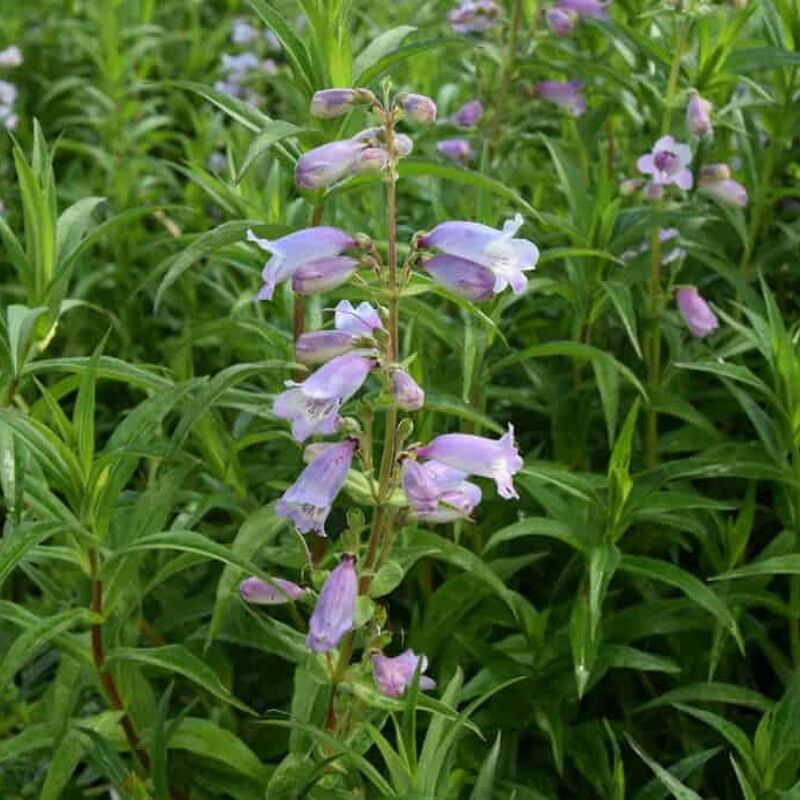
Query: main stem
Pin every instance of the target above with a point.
(106, 678)
(653, 345)
(505, 78)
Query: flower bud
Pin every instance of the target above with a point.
(329, 103)
(714, 172)
(317, 347)
(630, 186)
(407, 392)
(277, 592)
(403, 145)
(327, 164)
(323, 275)
(419, 108)
(698, 115)
(698, 316)
(653, 191)
(561, 21)
(726, 191)
(469, 114)
(458, 150)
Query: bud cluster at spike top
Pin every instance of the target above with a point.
(432, 480)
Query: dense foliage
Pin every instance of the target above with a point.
(173, 626)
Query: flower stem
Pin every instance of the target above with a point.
(505, 77)
(106, 678)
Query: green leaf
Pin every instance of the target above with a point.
(175, 658)
(677, 789)
(380, 47)
(694, 589)
(484, 785)
(394, 58)
(274, 132)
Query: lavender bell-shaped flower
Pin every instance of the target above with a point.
(458, 150)
(469, 114)
(566, 94)
(328, 163)
(393, 675)
(277, 592)
(474, 16)
(323, 275)
(298, 248)
(668, 163)
(561, 21)
(354, 327)
(698, 316)
(419, 108)
(408, 394)
(698, 115)
(715, 179)
(475, 455)
(313, 405)
(334, 613)
(438, 493)
(508, 258)
(470, 280)
(307, 502)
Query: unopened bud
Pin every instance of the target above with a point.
(329, 103)
(419, 108)
(630, 186)
(715, 172)
(408, 394)
(405, 429)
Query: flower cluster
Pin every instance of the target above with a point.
(240, 70)
(562, 17)
(10, 57)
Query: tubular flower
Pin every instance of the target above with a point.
(698, 316)
(277, 592)
(298, 248)
(313, 405)
(475, 455)
(419, 108)
(724, 189)
(566, 94)
(408, 394)
(323, 275)
(458, 150)
(354, 327)
(591, 9)
(393, 675)
(470, 280)
(438, 493)
(668, 163)
(328, 163)
(561, 21)
(334, 613)
(698, 115)
(508, 258)
(469, 114)
(307, 502)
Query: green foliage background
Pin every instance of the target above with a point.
(629, 629)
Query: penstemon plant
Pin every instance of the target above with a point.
(407, 482)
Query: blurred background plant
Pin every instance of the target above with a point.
(580, 645)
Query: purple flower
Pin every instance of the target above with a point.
(668, 163)
(458, 150)
(476, 455)
(470, 280)
(243, 32)
(277, 592)
(393, 675)
(218, 162)
(11, 56)
(333, 615)
(307, 502)
(585, 8)
(508, 258)
(8, 93)
(408, 394)
(561, 21)
(438, 493)
(419, 108)
(698, 115)
(298, 248)
(469, 114)
(360, 321)
(726, 190)
(323, 275)
(313, 405)
(328, 163)
(238, 66)
(566, 94)
(696, 313)
(329, 103)
(474, 16)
